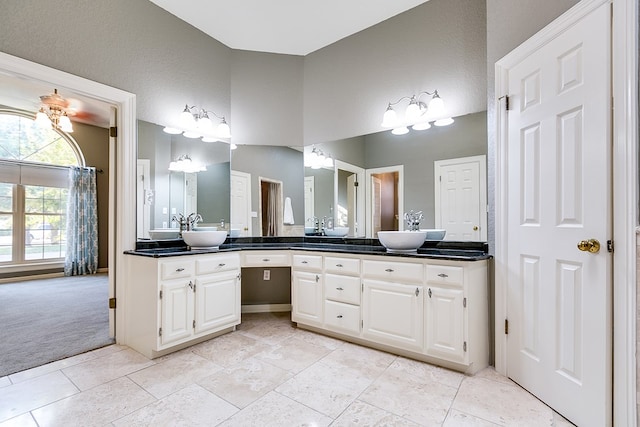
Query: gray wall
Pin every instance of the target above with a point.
(509, 23)
(440, 44)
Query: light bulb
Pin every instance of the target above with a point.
(328, 162)
(436, 106)
(413, 111)
(443, 122)
(42, 120)
(204, 123)
(400, 131)
(65, 124)
(390, 118)
(187, 121)
(223, 129)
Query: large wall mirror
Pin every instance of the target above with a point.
(378, 177)
(163, 193)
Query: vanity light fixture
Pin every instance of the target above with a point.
(195, 122)
(316, 159)
(54, 112)
(185, 164)
(417, 114)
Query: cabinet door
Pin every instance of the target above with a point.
(444, 323)
(217, 302)
(306, 298)
(176, 312)
(393, 314)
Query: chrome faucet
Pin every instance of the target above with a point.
(192, 220)
(181, 220)
(413, 220)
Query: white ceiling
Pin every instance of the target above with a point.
(295, 27)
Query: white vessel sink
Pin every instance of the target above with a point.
(164, 233)
(336, 231)
(204, 239)
(402, 241)
(435, 233)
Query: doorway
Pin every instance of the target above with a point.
(271, 207)
(385, 199)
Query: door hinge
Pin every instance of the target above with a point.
(362, 324)
(112, 303)
(464, 302)
(464, 346)
(506, 326)
(113, 131)
(160, 294)
(159, 332)
(506, 101)
(610, 246)
(194, 323)
(362, 287)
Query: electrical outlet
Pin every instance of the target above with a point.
(164, 211)
(266, 275)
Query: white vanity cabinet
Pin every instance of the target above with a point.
(182, 299)
(306, 289)
(393, 303)
(456, 313)
(342, 294)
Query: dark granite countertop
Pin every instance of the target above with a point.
(460, 251)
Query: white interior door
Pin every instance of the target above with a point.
(461, 198)
(241, 202)
(558, 173)
(190, 193)
(309, 200)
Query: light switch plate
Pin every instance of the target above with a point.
(266, 275)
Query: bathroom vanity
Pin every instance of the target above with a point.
(431, 305)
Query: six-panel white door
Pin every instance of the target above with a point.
(559, 193)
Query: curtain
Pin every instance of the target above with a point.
(272, 212)
(82, 222)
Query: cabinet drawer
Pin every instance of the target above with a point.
(263, 259)
(342, 288)
(445, 274)
(176, 269)
(342, 265)
(307, 262)
(217, 263)
(394, 271)
(344, 317)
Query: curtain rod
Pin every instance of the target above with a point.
(39, 165)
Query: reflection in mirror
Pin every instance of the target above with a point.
(164, 193)
(464, 147)
(267, 191)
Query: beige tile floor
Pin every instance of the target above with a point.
(267, 373)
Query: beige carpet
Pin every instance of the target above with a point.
(49, 319)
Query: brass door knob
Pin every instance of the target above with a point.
(475, 228)
(591, 245)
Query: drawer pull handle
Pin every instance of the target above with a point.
(429, 292)
(178, 270)
(443, 275)
(389, 270)
(266, 259)
(417, 291)
(222, 264)
(340, 289)
(339, 316)
(305, 262)
(339, 265)
(317, 278)
(191, 285)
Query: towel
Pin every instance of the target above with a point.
(288, 211)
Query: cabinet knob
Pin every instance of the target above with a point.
(305, 262)
(222, 264)
(389, 270)
(339, 316)
(178, 270)
(443, 275)
(340, 289)
(339, 265)
(266, 259)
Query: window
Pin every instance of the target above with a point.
(33, 189)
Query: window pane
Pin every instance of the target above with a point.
(45, 222)
(6, 237)
(6, 197)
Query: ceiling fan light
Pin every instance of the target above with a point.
(42, 120)
(65, 124)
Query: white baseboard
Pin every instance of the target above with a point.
(265, 308)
